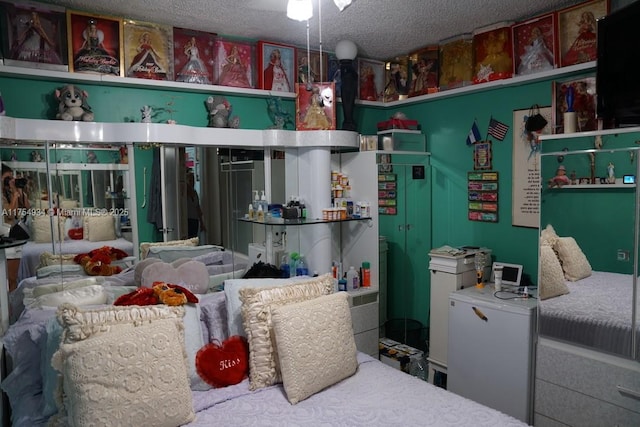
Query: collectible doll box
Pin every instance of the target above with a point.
(493, 53)
(456, 61)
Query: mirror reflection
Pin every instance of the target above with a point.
(588, 252)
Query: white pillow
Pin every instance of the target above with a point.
(574, 263)
(87, 295)
(99, 228)
(315, 344)
(144, 246)
(41, 228)
(50, 288)
(552, 282)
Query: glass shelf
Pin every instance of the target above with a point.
(300, 221)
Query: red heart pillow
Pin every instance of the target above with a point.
(223, 365)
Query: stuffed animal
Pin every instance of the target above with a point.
(73, 104)
(98, 261)
(160, 293)
(219, 111)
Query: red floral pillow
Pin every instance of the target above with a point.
(224, 365)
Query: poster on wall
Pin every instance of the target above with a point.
(526, 169)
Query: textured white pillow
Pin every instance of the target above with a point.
(548, 236)
(257, 305)
(47, 258)
(66, 285)
(552, 281)
(574, 263)
(315, 344)
(41, 228)
(87, 295)
(130, 376)
(99, 228)
(144, 246)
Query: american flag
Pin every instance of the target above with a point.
(497, 129)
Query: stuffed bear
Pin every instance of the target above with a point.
(73, 104)
(98, 261)
(160, 293)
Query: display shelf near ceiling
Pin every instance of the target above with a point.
(41, 74)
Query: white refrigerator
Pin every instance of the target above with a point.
(491, 349)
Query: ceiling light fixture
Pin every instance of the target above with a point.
(342, 4)
(300, 10)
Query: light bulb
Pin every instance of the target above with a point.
(346, 49)
(300, 10)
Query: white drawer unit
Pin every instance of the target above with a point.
(576, 386)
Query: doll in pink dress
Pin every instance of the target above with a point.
(234, 72)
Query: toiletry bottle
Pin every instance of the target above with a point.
(352, 279)
(302, 269)
(366, 274)
(263, 202)
(260, 215)
(252, 213)
(284, 266)
(293, 261)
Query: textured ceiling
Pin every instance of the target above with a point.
(381, 29)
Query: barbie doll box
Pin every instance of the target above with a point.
(456, 61)
(493, 53)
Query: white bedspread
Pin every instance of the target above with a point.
(377, 395)
(595, 313)
(31, 252)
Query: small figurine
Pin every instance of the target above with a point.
(36, 156)
(73, 104)
(574, 178)
(14, 156)
(219, 112)
(124, 155)
(91, 157)
(147, 112)
(560, 179)
(611, 173)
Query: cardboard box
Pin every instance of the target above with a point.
(397, 355)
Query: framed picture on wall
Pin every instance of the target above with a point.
(578, 95)
(311, 67)
(34, 35)
(148, 50)
(276, 67)
(95, 43)
(577, 30)
(315, 106)
(534, 45)
(371, 79)
(234, 64)
(193, 55)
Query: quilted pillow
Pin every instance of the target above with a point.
(50, 288)
(98, 228)
(145, 364)
(574, 263)
(552, 282)
(548, 236)
(257, 305)
(47, 258)
(315, 344)
(86, 295)
(144, 247)
(95, 335)
(41, 228)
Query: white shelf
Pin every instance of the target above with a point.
(43, 74)
(410, 131)
(31, 130)
(593, 133)
(593, 186)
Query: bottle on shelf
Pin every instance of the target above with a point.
(252, 212)
(352, 279)
(302, 269)
(366, 274)
(260, 214)
(285, 267)
(293, 261)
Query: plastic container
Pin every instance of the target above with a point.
(293, 261)
(342, 285)
(284, 266)
(366, 274)
(252, 213)
(353, 281)
(302, 269)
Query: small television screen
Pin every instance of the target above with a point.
(617, 82)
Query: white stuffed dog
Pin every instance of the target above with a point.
(73, 104)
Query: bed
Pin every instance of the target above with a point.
(596, 312)
(309, 390)
(31, 251)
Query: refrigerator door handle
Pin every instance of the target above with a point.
(479, 313)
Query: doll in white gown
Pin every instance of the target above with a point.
(194, 71)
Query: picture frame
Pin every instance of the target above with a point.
(276, 66)
(193, 56)
(397, 79)
(425, 66)
(577, 31)
(482, 156)
(315, 108)
(234, 63)
(584, 103)
(148, 50)
(95, 43)
(535, 46)
(34, 35)
(316, 71)
(456, 62)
